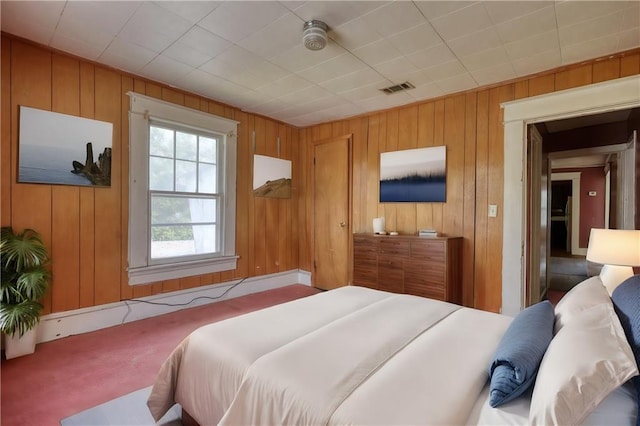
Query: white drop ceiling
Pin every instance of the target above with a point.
(249, 54)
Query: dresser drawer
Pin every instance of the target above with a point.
(428, 251)
(394, 247)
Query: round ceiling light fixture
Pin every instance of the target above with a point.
(314, 35)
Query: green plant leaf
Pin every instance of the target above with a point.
(19, 318)
(33, 283)
(22, 251)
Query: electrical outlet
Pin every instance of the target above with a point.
(493, 210)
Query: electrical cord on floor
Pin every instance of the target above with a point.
(179, 304)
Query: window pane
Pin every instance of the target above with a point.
(204, 239)
(182, 210)
(186, 146)
(207, 179)
(186, 173)
(160, 142)
(202, 210)
(166, 210)
(171, 241)
(207, 150)
(160, 174)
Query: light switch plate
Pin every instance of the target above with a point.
(493, 210)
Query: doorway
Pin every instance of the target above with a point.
(611, 95)
(332, 211)
(560, 230)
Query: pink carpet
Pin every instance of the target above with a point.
(72, 374)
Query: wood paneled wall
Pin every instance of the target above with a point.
(470, 125)
(85, 227)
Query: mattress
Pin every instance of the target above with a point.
(349, 356)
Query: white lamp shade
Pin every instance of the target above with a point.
(614, 247)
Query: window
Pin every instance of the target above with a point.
(181, 191)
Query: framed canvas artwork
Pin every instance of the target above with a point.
(414, 175)
(271, 177)
(63, 149)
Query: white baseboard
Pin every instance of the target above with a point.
(62, 324)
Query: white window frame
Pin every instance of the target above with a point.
(141, 269)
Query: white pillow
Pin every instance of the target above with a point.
(586, 360)
(586, 294)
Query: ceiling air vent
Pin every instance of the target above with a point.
(398, 88)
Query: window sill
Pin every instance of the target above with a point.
(150, 274)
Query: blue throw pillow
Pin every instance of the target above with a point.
(515, 364)
(626, 301)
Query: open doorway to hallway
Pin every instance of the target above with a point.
(582, 156)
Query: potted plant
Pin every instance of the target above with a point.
(24, 282)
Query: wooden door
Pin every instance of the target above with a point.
(331, 199)
(538, 195)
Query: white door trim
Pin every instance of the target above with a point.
(610, 95)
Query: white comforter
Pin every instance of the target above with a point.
(350, 355)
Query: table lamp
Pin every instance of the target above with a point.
(618, 250)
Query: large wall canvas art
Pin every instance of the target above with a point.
(414, 175)
(63, 149)
(271, 177)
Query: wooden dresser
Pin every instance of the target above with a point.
(422, 266)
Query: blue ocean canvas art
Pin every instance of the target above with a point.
(413, 175)
(63, 149)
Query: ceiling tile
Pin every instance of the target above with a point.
(446, 70)
(305, 95)
(631, 17)
(254, 15)
(416, 39)
(433, 56)
(540, 21)
(290, 83)
(393, 18)
(377, 52)
(629, 39)
(588, 50)
(333, 68)
(468, 20)
(457, 83)
(396, 69)
(573, 12)
(192, 11)
(333, 13)
(501, 11)
(165, 69)
(44, 14)
(365, 92)
(205, 42)
(154, 28)
(485, 58)
(426, 91)
(277, 37)
(76, 46)
(299, 58)
(469, 44)
(588, 30)
(354, 34)
(27, 29)
(233, 60)
(435, 9)
(493, 74)
(127, 56)
(106, 17)
(531, 64)
(353, 80)
(533, 45)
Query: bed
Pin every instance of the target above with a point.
(357, 356)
